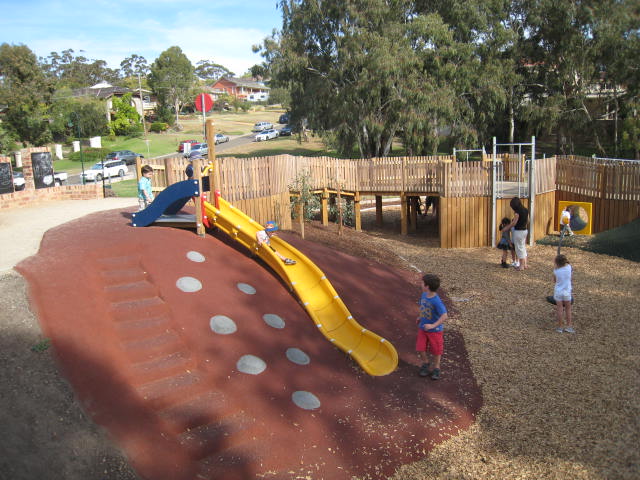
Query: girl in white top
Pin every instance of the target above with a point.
(562, 294)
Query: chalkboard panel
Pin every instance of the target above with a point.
(42, 169)
(6, 179)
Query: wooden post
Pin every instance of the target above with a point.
(403, 214)
(197, 168)
(413, 213)
(356, 212)
(300, 213)
(379, 210)
(324, 207)
(213, 160)
(339, 200)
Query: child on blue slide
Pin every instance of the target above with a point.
(262, 236)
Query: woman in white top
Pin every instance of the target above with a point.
(562, 294)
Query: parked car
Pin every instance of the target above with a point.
(58, 179)
(106, 169)
(262, 126)
(284, 118)
(266, 135)
(201, 149)
(287, 130)
(184, 142)
(220, 138)
(127, 156)
(18, 181)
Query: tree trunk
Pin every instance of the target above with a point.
(512, 124)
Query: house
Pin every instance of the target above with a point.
(241, 88)
(105, 91)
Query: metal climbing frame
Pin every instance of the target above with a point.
(524, 187)
(480, 150)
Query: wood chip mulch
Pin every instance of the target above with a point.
(556, 406)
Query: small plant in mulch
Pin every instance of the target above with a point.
(42, 346)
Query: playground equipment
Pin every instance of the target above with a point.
(167, 204)
(373, 353)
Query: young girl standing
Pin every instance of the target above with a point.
(562, 294)
(505, 244)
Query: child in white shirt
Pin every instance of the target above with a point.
(562, 294)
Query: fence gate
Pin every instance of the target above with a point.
(513, 175)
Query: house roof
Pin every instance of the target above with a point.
(104, 90)
(241, 82)
(101, 92)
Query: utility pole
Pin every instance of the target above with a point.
(144, 125)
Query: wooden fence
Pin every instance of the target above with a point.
(465, 222)
(260, 186)
(612, 186)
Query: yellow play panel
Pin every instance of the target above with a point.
(581, 216)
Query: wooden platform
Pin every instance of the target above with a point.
(177, 221)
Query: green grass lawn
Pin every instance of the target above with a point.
(619, 242)
(191, 127)
(125, 188)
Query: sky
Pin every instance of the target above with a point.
(221, 31)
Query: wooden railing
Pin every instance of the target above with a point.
(257, 177)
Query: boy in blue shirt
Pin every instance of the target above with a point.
(145, 194)
(431, 318)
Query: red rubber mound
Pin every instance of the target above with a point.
(201, 365)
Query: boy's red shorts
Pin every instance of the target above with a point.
(432, 342)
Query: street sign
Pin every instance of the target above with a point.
(204, 98)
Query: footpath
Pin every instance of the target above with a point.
(21, 229)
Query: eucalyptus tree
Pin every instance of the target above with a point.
(172, 79)
(208, 70)
(364, 73)
(355, 73)
(133, 66)
(69, 70)
(25, 92)
(576, 51)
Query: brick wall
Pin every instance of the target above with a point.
(31, 196)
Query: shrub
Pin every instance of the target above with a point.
(159, 127)
(310, 201)
(89, 155)
(348, 217)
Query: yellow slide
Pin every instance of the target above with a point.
(373, 353)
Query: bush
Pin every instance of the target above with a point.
(348, 217)
(90, 155)
(159, 127)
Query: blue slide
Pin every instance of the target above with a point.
(168, 202)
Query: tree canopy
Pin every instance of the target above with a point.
(171, 78)
(26, 93)
(365, 72)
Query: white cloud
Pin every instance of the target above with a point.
(222, 31)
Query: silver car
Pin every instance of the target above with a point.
(266, 135)
(262, 126)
